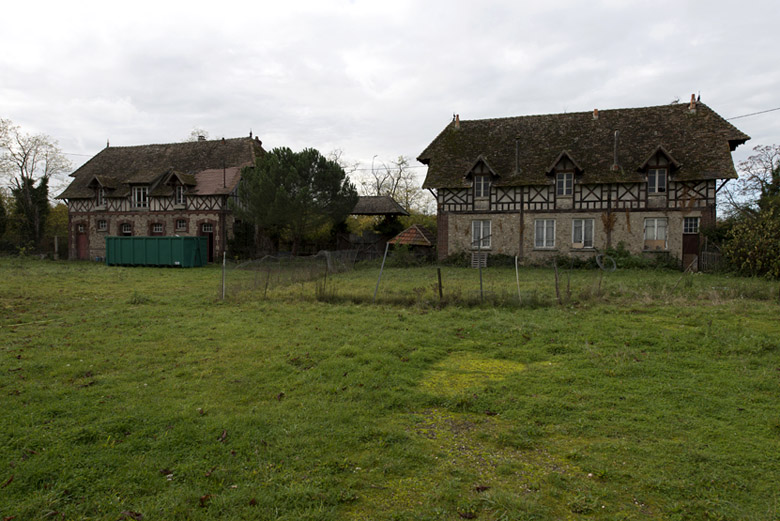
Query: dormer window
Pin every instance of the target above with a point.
(656, 180)
(140, 196)
(178, 195)
(481, 186)
(565, 183)
(100, 196)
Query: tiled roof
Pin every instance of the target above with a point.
(520, 150)
(378, 205)
(415, 235)
(117, 168)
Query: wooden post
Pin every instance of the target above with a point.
(438, 272)
(56, 248)
(517, 276)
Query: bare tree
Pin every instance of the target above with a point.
(198, 134)
(397, 180)
(759, 181)
(29, 162)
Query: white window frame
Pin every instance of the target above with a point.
(581, 236)
(207, 228)
(652, 228)
(140, 197)
(126, 228)
(100, 196)
(481, 186)
(691, 225)
(102, 225)
(183, 226)
(546, 239)
(178, 195)
(564, 182)
(481, 234)
(655, 178)
(157, 228)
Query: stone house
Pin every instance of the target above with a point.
(576, 183)
(153, 190)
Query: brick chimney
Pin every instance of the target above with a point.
(692, 105)
(595, 113)
(457, 120)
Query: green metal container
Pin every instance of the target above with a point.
(186, 252)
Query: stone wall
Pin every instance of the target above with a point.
(509, 238)
(141, 223)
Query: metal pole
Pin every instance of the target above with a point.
(223, 274)
(479, 264)
(387, 246)
(517, 276)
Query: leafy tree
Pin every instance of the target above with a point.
(294, 194)
(753, 240)
(29, 161)
(753, 244)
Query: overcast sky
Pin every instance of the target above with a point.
(372, 78)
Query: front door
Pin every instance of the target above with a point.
(690, 243)
(207, 230)
(82, 243)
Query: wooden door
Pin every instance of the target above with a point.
(207, 230)
(690, 251)
(82, 246)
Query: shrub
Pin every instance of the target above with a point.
(753, 244)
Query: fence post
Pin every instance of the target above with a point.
(387, 246)
(438, 272)
(517, 277)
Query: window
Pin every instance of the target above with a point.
(207, 228)
(480, 234)
(582, 233)
(655, 233)
(181, 225)
(100, 196)
(141, 196)
(481, 186)
(565, 183)
(102, 225)
(544, 233)
(691, 225)
(127, 229)
(656, 180)
(179, 195)
(82, 228)
(157, 228)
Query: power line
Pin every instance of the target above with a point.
(753, 114)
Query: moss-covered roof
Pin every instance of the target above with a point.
(521, 149)
(378, 205)
(118, 168)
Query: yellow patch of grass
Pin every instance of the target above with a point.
(462, 371)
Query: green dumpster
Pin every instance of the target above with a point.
(186, 252)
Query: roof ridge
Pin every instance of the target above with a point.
(179, 143)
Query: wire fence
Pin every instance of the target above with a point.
(273, 272)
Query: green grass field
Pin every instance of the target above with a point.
(134, 393)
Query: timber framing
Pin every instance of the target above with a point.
(170, 189)
(626, 175)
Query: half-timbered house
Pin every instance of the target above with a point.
(150, 190)
(576, 183)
